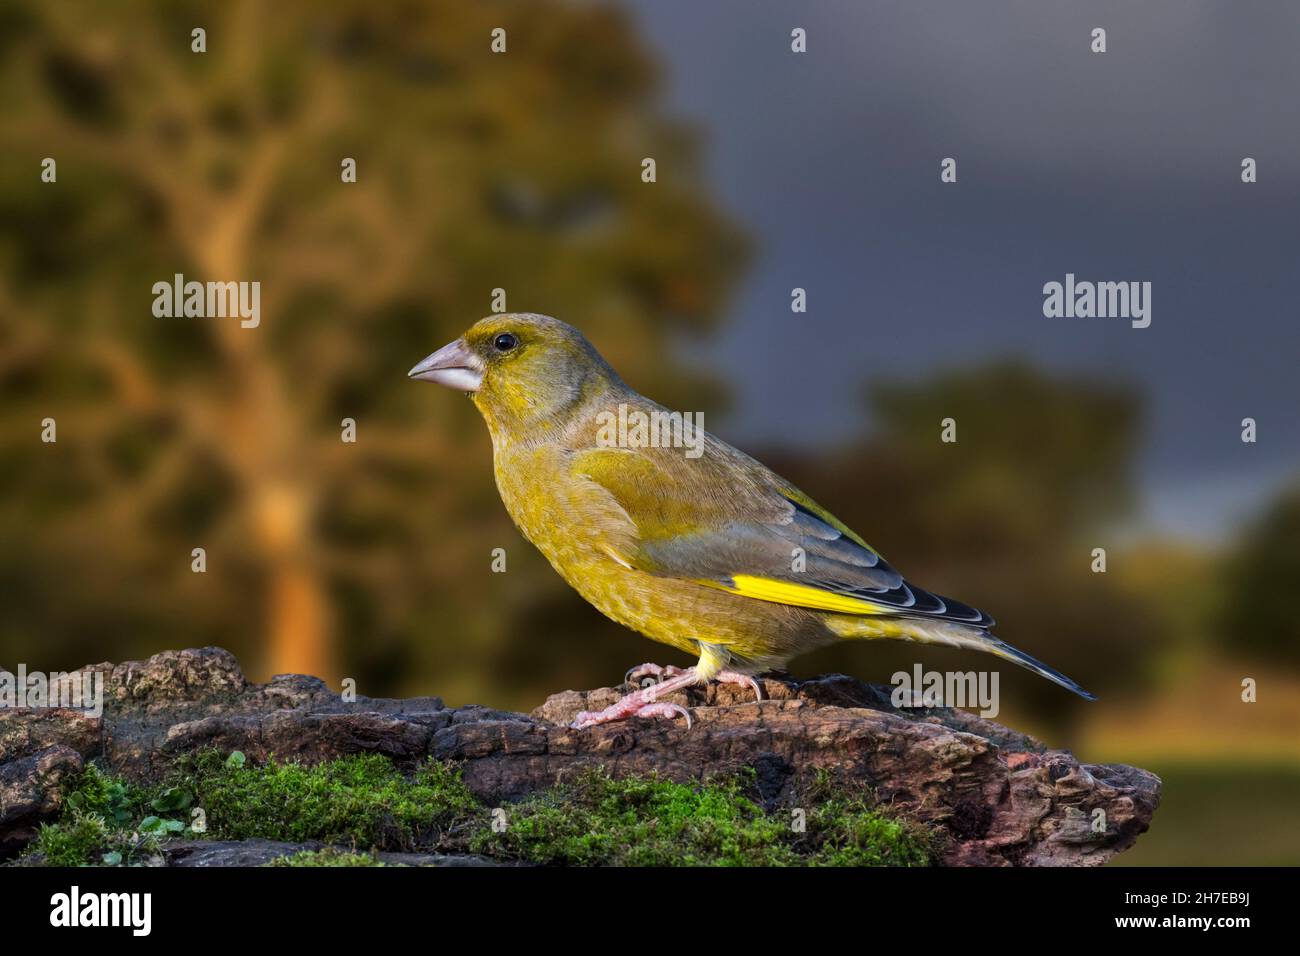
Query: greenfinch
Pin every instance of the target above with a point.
(672, 532)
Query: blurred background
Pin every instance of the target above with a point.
(775, 170)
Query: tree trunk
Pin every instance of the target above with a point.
(263, 441)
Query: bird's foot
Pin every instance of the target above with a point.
(741, 680)
(658, 671)
(623, 710)
(644, 702)
(635, 675)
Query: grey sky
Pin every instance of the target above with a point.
(1118, 166)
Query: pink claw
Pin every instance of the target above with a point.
(663, 708)
(741, 680)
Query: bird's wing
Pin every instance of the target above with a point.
(726, 521)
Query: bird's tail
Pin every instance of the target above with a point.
(925, 631)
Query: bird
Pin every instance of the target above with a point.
(701, 547)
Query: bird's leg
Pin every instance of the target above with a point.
(642, 703)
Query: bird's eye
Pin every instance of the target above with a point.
(504, 342)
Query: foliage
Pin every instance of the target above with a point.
(1259, 619)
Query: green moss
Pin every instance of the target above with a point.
(72, 842)
(848, 829)
(366, 802)
(848, 832)
(101, 823)
(85, 839)
(96, 792)
(360, 800)
(596, 820)
(330, 856)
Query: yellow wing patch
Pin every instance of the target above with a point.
(800, 595)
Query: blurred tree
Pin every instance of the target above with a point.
(1036, 459)
(475, 171)
(1262, 573)
(1005, 517)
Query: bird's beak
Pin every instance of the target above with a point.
(454, 365)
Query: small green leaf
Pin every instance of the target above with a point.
(151, 824)
(113, 858)
(173, 798)
(235, 760)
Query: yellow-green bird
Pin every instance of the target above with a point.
(699, 547)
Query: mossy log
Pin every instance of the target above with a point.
(997, 796)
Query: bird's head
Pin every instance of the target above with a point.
(524, 371)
